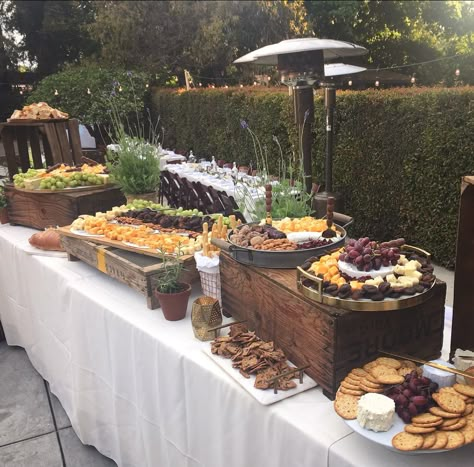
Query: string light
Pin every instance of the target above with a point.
(147, 85)
(56, 93)
(88, 91)
(241, 85)
(457, 72)
(377, 83)
(21, 92)
(120, 88)
(200, 84)
(255, 83)
(350, 82)
(226, 86)
(413, 80)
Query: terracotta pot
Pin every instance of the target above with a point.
(4, 216)
(174, 305)
(153, 197)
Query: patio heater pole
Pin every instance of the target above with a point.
(304, 117)
(330, 105)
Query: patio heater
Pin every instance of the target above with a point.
(301, 66)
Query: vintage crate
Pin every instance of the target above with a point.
(136, 270)
(462, 336)
(41, 210)
(332, 341)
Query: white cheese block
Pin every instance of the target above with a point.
(375, 412)
(443, 378)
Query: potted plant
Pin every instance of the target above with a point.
(3, 206)
(172, 294)
(135, 167)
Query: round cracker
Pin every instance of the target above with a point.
(468, 432)
(460, 424)
(368, 366)
(380, 370)
(358, 372)
(351, 392)
(371, 384)
(469, 410)
(408, 363)
(464, 389)
(450, 421)
(443, 413)
(428, 440)
(441, 440)
(426, 418)
(390, 379)
(370, 389)
(451, 390)
(455, 440)
(450, 403)
(347, 385)
(418, 430)
(428, 425)
(387, 361)
(404, 370)
(371, 379)
(345, 406)
(407, 441)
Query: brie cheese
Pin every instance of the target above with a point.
(375, 412)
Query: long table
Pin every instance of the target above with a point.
(140, 389)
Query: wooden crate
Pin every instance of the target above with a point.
(330, 340)
(136, 270)
(41, 210)
(462, 336)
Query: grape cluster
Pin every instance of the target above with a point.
(369, 255)
(413, 396)
(77, 179)
(19, 178)
(314, 243)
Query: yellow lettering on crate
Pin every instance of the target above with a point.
(101, 266)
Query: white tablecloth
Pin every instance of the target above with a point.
(140, 390)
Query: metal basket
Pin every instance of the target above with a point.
(206, 314)
(211, 284)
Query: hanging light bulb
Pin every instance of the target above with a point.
(147, 85)
(21, 92)
(120, 88)
(377, 83)
(350, 82)
(413, 80)
(56, 93)
(200, 84)
(457, 72)
(241, 85)
(255, 83)
(88, 91)
(226, 86)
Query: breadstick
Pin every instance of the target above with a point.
(219, 227)
(233, 223)
(224, 232)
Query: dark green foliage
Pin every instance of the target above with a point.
(399, 155)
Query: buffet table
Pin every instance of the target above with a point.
(140, 389)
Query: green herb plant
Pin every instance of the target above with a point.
(3, 198)
(168, 281)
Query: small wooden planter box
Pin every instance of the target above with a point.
(41, 210)
(332, 341)
(136, 270)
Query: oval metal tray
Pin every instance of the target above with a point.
(389, 304)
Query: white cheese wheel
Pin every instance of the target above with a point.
(443, 378)
(375, 412)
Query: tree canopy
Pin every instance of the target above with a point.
(205, 37)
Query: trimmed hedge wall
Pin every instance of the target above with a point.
(399, 156)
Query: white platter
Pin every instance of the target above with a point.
(352, 271)
(83, 233)
(385, 438)
(267, 396)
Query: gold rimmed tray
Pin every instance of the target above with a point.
(69, 190)
(315, 292)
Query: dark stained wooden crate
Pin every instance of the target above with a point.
(462, 336)
(136, 270)
(41, 210)
(332, 341)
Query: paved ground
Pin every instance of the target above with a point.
(34, 429)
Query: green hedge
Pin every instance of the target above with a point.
(399, 156)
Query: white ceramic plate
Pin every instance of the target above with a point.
(385, 438)
(83, 233)
(352, 270)
(267, 396)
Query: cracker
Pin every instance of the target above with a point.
(443, 413)
(428, 440)
(351, 392)
(371, 379)
(464, 389)
(371, 389)
(380, 370)
(469, 410)
(418, 430)
(391, 362)
(441, 440)
(368, 366)
(468, 432)
(427, 425)
(390, 379)
(347, 385)
(346, 406)
(450, 421)
(408, 363)
(450, 403)
(371, 384)
(404, 370)
(426, 418)
(460, 424)
(451, 390)
(358, 372)
(407, 441)
(455, 440)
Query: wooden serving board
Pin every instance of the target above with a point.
(117, 244)
(69, 190)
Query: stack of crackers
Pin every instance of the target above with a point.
(450, 425)
(371, 378)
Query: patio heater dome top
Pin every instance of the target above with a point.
(331, 49)
(340, 69)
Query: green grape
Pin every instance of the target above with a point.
(60, 185)
(53, 187)
(73, 184)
